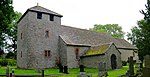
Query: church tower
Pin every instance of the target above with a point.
(37, 41)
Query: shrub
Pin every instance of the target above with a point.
(5, 62)
(12, 62)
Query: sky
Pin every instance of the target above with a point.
(85, 13)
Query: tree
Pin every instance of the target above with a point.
(141, 34)
(11, 36)
(145, 29)
(136, 37)
(114, 29)
(6, 15)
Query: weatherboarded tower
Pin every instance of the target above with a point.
(38, 31)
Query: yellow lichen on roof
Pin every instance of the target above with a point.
(97, 50)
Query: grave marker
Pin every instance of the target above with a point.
(146, 69)
(7, 71)
(131, 66)
(66, 69)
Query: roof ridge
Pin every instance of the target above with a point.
(84, 29)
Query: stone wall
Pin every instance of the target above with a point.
(37, 43)
(116, 52)
(71, 59)
(62, 52)
(93, 61)
(22, 42)
(127, 53)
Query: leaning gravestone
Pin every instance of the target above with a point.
(146, 69)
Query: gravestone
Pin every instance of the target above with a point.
(7, 71)
(60, 68)
(13, 70)
(82, 68)
(66, 69)
(131, 67)
(38, 70)
(137, 64)
(42, 73)
(102, 70)
(146, 69)
(102, 66)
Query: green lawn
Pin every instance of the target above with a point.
(72, 72)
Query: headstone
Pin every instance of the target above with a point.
(147, 61)
(102, 66)
(82, 68)
(7, 71)
(131, 66)
(10, 75)
(13, 70)
(60, 68)
(38, 71)
(146, 69)
(137, 64)
(42, 73)
(66, 69)
(102, 70)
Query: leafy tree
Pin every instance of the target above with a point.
(11, 36)
(10, 55)
(1, 52)
(6, 15)
(145, 29)
(136, 37)
(141, 35)
(114, 29)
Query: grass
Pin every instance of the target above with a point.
(72, 72)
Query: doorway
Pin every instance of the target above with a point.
(113, 61)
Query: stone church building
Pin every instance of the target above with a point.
(43, 42)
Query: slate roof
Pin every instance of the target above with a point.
(98, 50)
(76, 36)
(95, 50)
(42, 9)
(126, 44)
(73, 35)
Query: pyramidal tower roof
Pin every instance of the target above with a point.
(40, 9)
(44, 10)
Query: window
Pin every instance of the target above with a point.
(39, 15)
(47, 53)
(47, 33)
(21, 35)
(21, 54)
(76, 53)
(51, 17)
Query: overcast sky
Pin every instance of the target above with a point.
(85, 13)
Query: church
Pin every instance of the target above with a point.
(42, 42)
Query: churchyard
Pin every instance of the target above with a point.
(72, 72)
(131, 70)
